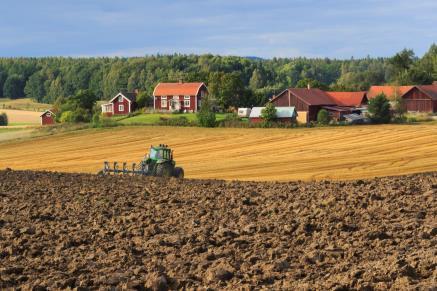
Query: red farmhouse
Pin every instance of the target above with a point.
(47, 118)
(122, 104)
(180, 96)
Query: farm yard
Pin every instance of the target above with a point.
(244, 154)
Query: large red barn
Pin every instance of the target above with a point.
(179, 96)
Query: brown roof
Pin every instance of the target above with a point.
(430, 90)
(389, 91)
(169, 89)
(312, 96)
(348, 98)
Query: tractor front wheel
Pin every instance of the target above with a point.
(164, 170)
(178, 173)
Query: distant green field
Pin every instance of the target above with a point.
(153, 118)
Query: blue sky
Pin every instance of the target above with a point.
(312, 28)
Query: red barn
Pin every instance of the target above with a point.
(420, 98)
(179, 96)
(48, 118)
(122, 104)
(306, 100)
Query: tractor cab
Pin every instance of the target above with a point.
(160, 153)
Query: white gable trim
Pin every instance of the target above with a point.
(118, 95)
(154, 90)
(47, 111)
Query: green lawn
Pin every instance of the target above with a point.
(153, 118)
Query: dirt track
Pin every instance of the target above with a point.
(69, 230)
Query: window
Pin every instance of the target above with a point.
(120, 107)
(48, 114)
(164, 102)
(186, 101)
(202, 93)
(120, 98)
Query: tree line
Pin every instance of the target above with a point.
(232, 81)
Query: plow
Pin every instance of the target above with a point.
(158, 162)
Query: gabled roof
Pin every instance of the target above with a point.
(47, 111)
(312, 96)
(430, 90)
(389, 91)
(355, 99)
(131, 96)
(281, 112)
(169, 89)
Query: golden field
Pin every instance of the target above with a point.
(17, 117)
(244, 154)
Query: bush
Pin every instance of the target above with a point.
(66, 117)
(269, 113)
(107, 122)
(323, 117)
(379, 109)
(177, 121)
(3, 119)
(206, 115)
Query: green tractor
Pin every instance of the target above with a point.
(158, 162)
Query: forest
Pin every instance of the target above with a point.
(233, 81)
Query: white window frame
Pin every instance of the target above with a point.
(121, 107)
(164, 101)
(202, 93)
(48, 114)
(187, 101)
(120, 98)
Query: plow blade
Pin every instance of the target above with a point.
(142, 169)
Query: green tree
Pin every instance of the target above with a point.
(206, 115)
(379, 109)
(257, 80)
(269, 112)
(35, 87)
(3, 119)
(323, 117)
(13, 86)
(144, 100)
(3, 77)
(303, 83)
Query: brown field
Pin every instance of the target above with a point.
(244, 154)
(22, 116)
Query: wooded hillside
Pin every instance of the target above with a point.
(236, 81)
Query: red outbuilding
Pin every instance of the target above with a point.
(185, 97)
(48, 118)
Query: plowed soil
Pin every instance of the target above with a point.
(69, 230)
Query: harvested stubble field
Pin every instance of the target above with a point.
(246, 154)
(70, 230)
(22, 117)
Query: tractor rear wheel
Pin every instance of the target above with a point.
(178, 173)
(164, 170)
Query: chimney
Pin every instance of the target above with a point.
(308, 86)
(136, 91)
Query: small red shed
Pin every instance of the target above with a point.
(48, 118)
